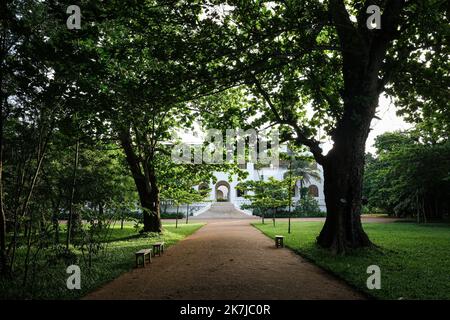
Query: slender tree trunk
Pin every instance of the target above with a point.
(424, 211)
(289, 220)
(3, 255)
(187, 214)
(55, 224)
(27, 256)
(22, 211)
(176, 217)
(274, 212)
(417, 207)
(290, 194)
(72, 219)
(100, 213)
(436, 207)
(55, 213)
(155, 217)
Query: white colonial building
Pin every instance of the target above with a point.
(223, 192)
(225, 189)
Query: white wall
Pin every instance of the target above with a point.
(277, 173)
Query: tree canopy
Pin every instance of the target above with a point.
(408, 176)
(139, 71)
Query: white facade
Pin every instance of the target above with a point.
(225, 189)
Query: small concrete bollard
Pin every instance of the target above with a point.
(279, 241)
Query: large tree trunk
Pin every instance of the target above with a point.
(343, 175)
(149, 199)
(145, 184)
(343, 190)
(363, 54)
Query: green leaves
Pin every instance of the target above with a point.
(408, 175)
(266, 194)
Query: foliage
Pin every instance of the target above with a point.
(84, 114)
(180, 215)
(408, 176)
(117, 257)
(274, 194)
(265, 195)
(307, 206)
(323, 73)
(304, 169)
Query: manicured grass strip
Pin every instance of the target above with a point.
(414, 259)
(50, 280)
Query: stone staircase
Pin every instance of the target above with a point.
(222, 207)
(223, 210)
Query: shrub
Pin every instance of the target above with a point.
(308, 207)
(172, 215)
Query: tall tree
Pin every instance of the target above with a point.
(267, 195)
(150, 65)
(328, 69)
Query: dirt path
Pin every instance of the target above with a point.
(227, 260)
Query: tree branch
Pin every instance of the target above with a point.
(301, 138)
(390, 19)
(347, 32)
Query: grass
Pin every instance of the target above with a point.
(414, 258)
(49, 279)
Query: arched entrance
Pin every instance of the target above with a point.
(222, 191)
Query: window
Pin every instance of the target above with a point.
(313, 191)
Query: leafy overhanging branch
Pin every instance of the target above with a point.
(301, 136)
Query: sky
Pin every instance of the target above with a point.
(389, 122)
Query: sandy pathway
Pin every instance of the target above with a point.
(226, 260)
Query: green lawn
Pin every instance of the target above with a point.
(414, 259)
(49, 281)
